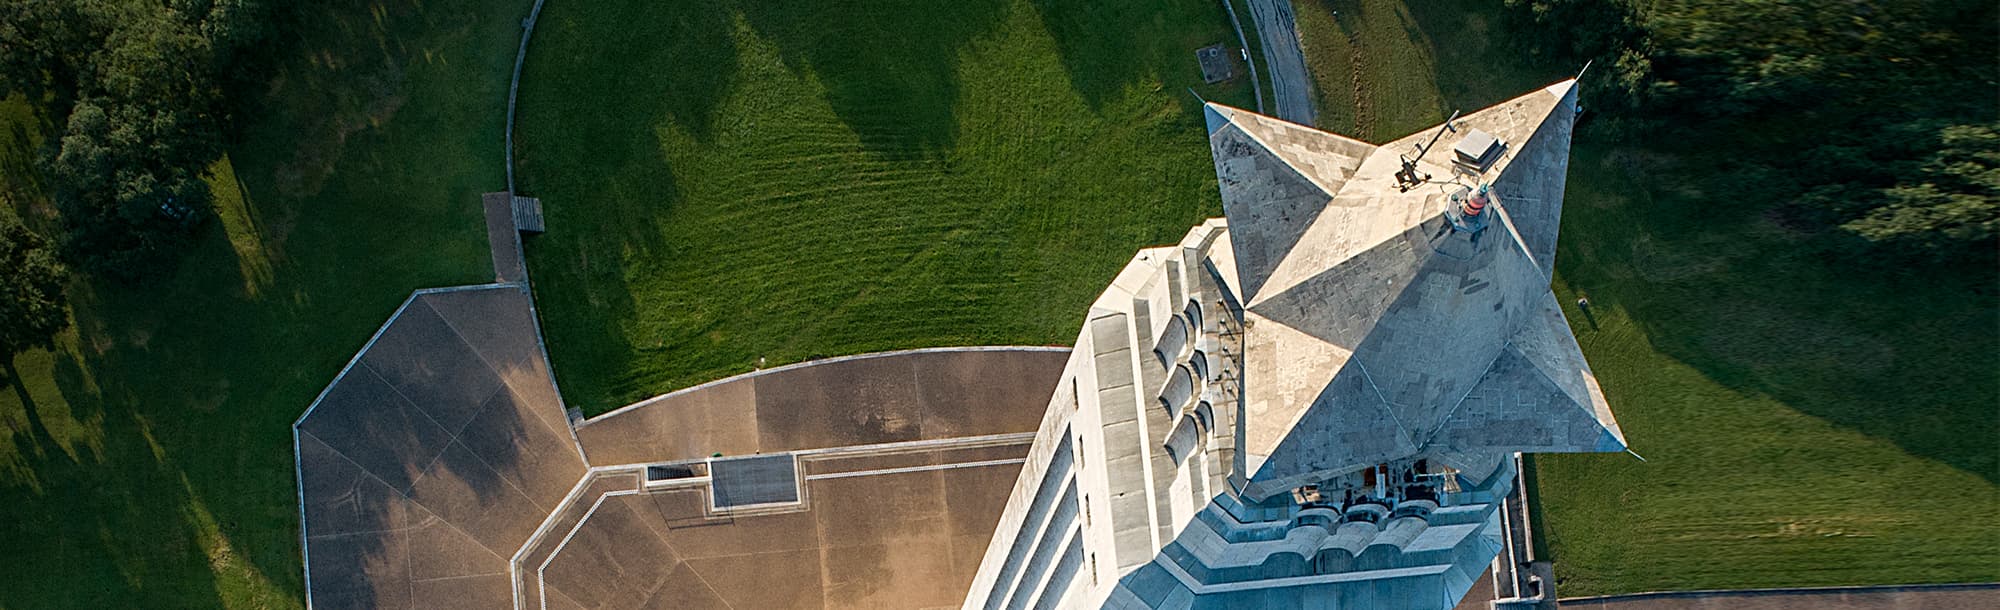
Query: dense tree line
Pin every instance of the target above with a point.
(1872, 120)
(32, 305)
(136, 88)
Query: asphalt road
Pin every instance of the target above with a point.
(1291, 84)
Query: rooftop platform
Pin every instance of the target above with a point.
(914, 395)
(433, 456)
(438, 470)
(886, 527)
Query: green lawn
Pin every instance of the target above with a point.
(788, 181)
(1254, 46)
(148, 460)
(1804, 423)
(733, 180)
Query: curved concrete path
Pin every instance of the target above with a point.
(1291, 83)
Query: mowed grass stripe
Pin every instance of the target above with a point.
(812, 181)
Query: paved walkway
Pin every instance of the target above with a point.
(1926, 597)
(502, 238)
(514, 85)
(1291, 83)
(901, 526)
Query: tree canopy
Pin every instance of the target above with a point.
(1950, 200)
(32, 306)
(1872, 119)
(137, 86)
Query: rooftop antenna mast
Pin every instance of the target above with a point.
(1408, 177)
(1579, 111)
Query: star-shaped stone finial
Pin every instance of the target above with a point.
(1390, 318)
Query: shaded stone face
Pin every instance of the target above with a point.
(1379, 329)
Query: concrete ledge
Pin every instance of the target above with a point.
(867, 399)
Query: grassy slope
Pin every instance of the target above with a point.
(1804, 424)
(797, 181)
(150, 464)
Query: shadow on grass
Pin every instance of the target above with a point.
(890, 68)
(21, 181)
(1478, 63)
(1898, 353)
(590, 131)
(1903, 354)
(1385, 69)
(101, 503)
(108, 513)
(181, 493)
(1109, 47)
(659, 61)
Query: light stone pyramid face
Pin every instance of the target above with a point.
(1282, 175)
(1378, 331)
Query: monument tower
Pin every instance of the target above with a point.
(1312, 401)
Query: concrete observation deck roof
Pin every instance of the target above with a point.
(438, 470)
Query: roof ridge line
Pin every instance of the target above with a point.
(1386, 404)
(1330, 192)
(1455, 405)
(1265, 292)
(1588, 406)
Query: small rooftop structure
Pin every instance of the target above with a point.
(1215, 64)
(753, 481)
(1477, 151)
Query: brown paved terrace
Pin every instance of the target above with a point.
(438, 471)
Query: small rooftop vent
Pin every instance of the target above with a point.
(1477, 151)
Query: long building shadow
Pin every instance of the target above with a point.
(890, 68)
(588, 144)
(1109, 47)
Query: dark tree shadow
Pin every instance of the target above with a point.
(1109, 47)
(106, 512)
(621, 66)
(586, 144)
(890, 68)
